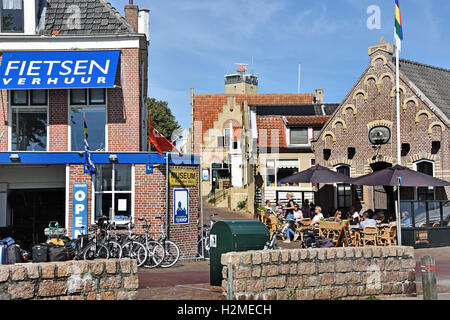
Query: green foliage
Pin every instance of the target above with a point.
(242, 204)
(262, 209)
(162, 118)
(372, 298)
(291, 294)
(212, 200)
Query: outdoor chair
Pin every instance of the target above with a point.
(389, 236)
(370, 235)
(304, 224)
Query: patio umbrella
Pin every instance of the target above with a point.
(316, 174)
(390, 177)
(401, 177)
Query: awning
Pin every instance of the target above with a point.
(58, 69)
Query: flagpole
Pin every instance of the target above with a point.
(399, 155)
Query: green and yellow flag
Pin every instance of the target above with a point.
(398, 34)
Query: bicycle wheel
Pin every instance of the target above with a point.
(95, 250)
(203, 247)
(155, 254)
(135, 250)
(171, 254)
(115, 249)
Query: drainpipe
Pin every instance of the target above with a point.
(167, 196)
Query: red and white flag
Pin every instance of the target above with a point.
(159, 141)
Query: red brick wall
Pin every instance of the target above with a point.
(58, 120)
(124, 106)
(380, 105)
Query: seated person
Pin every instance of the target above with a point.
(338, 216)
(279, 209)
(269, 207)
(298, 215)
(406, 221)
(380, 218)
(351, 212)
(318, 215)
(355, 219)
(367, 221)
(306, 209)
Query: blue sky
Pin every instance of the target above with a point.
(194, 43)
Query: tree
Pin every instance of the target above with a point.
(162, 118)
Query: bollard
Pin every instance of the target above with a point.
(429, 285)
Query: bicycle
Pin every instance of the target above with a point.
(110, 240)
(95, 248)
(203, 244)
(132, 248)
(171, 249)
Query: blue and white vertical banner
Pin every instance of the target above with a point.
(80, 209)
(58, 69)
(180, 206)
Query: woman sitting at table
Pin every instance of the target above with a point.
(355, 219)
(298, 215)
(315, 221)
(338, 216)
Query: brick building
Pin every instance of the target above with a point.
(222, 135)
(370, 106)
(63, 60)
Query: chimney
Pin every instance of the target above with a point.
(131, 14)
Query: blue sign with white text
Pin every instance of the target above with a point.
(80, 209)
(58, 69)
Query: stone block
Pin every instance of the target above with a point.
(294, 282)
(392, 264)
(48, 270)
(93, 296)
(295, 255)
(32, 270)
(293, 268)
(52, 288)
(284, 268)
(108, 295)
(131, 282)
(21, 290)
(239, 286)
(331, 253)
(408, 252)
(340, 253)
(306, 268)
(97, 267)
(345, 265)
(355, 290)
(125, 266)
(311, 281)
(275, 255)
(400, 276)
(282, 294)
(256, 271)
(74, 297)
(111, 266)
(326, 279)
(338, 292)
(255, 285)
(312, 253)
(321, 254)
(322, 294)
(285, 255)
(265, 256)
(353, 278)
(397, 288)
(17, 273)
(358, 252)
(349, 252)
(367, 252)
(269, 270)
(304, 254)
(4, 273)
(361, 265)
(392, 251)
(256, 258)
(127, 295)
(376, 252)
(305, 294)
(62, 269)
(386, 288)
(276, 282)
(411, 275)
(326, 267)
(246, 258)
(409, 288)
(408, 263)
(339, 278)
(241, 272)
(79, 267)
(110, 282)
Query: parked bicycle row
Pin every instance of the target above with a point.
(101, 240)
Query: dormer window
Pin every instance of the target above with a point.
(12, 16)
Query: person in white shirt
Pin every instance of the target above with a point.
(298, 214)
(269, 207)
(317, 217)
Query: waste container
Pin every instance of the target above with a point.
(227, 236)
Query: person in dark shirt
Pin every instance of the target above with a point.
(289, 209)
(306, 210)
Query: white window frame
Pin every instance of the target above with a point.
(310, 134)
(29, 105)
(87, 105)
(434, 172)
(277, 161)
(112, 192)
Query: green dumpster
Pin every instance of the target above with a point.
(227, 236)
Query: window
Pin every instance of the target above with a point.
(286, 168)
(299, 136)
(113, 191)
(28, 124)
(425, 193)
(11, 16)
(95, 113)
(344, 191)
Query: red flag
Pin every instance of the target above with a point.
(160, 142)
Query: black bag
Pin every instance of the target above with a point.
(57, 253)
(14, 254)
(323, 242)
(40, 253)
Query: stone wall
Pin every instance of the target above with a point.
(314, 274)
(113, 279)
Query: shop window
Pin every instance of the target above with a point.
(425, 193)
(298, 136)
(344, 190)
(95, 120)
(78, 96)
(12, 16)
(97, 96)
(286, 168)
(113, 192)
(19, 97)
(29, 129)
(28, 97)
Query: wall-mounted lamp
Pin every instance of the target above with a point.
(14, 157)
(113, 157)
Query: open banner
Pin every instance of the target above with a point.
(58, 69)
